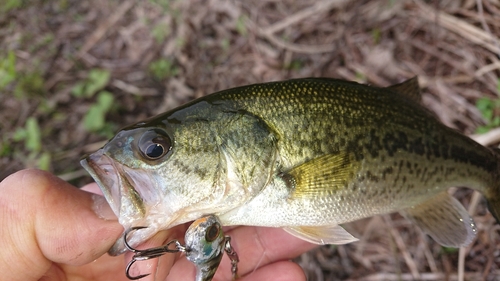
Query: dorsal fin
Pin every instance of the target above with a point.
(409, 89)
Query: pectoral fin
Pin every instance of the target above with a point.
(330, 234)
(444, 219)
(323, 175)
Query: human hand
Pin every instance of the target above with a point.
(49, 231)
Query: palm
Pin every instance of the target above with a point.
(51, 228)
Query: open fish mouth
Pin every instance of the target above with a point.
(105, 174)
(121, 186)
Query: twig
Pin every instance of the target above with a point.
(487, 68)
(489, 138)
(460, 27)
(319, 7)
(402, 247)
(306, 13)
(129, 88)
(479, 4)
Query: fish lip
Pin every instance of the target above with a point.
(105, 173)
(116, 183)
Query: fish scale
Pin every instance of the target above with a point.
(306, 155)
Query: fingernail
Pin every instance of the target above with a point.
(102, 209)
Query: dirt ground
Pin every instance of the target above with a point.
(123, 61)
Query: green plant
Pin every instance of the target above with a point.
(490, 110)
(32, 137)
(163, 68)
(376, 35)
(94, 120)
(8, 71)
(449, 250)
(10, 4)
(295, 65)
(30, 134)
(160, 32)
(29, 84)
(164, 4)
(96, 80)
(241, 25)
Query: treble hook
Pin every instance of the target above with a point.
(151, 253)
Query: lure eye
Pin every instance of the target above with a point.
(212, 232)
(154, 144)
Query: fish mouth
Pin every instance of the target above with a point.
(102, 169)
(118, 184)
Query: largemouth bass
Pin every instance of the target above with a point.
(305, 155)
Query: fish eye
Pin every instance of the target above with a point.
(212, 232)
(154, 144)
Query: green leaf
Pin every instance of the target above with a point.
(105, 100)
(160, 32)
(495, 122)
(44, 161)
(94, 120)
(78, 90)
(10, 4)
(20, 134)
(96, 80)
(241, 26)
(449, 250)
(5, 148)
(7, 69)
(376, 34)
(485, 106)
(33, 136)
(163, 68)
(482, 129)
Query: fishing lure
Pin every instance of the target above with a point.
(205, 244)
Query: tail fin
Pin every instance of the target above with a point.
(493, 194)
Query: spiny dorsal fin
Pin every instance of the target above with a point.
(444, 219)
(409, 89)
(323, 175)
(328, 234)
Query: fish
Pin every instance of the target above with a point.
(205, 244)
(306, 155)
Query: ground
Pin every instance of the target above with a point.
(73, 72)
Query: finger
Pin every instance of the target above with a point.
(106, 267)
(259, 246)
(101, 206)
(282, 270)
(45, 220)
(157, 268)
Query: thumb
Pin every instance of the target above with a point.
(43, 220)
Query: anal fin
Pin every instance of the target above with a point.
(330, 234)
(444, 219)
